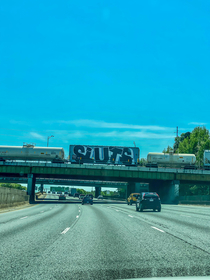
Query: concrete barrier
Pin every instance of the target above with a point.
(12, 197)
(195, 199)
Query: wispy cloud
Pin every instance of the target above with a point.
(37, 136)
(197, 123)
(102, 124)
(64, 135)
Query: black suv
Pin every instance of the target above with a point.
(87, 199)
(148, 200)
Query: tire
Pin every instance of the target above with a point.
(141, 208)
(159, 209)
(130, 202)
(154, 210)
(82, 203)
(137, 208)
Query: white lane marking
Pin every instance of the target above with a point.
(65, 230)
(130, 216)
(77, 216)
(117, 210)
(41, 211)
(24, 217)
(107, 207)
(158, 229)
(50, 208)
(79, 210)
(185, 215)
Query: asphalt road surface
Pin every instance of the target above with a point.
(104, 241)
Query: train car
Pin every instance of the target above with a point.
(206, 159)
(104, 154)
(31, 153)
(171, 160)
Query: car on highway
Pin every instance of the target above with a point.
(91, 195)
(148, 200)
(53, 192)
(100, 197)
(87, 200)
(132, 198)
(62, 197)
(59, 192)
(81, 196)
(76, 195)
(48, 191)
(66, 193)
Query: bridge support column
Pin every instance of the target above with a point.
(31, 188)
(131, 188)
(167, 190)
(41, 188)
(97, 191)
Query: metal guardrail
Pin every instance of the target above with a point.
(109, 167)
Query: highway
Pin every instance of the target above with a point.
(104, 241)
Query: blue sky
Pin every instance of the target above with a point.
(103, 72)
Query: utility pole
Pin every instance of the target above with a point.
(177, 131)
(48, 139)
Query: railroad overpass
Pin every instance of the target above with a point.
(163, 180)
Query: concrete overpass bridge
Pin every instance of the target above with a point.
(163, 180)
(67, 182)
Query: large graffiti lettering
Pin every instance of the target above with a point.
(103, 154)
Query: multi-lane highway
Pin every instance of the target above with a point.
(104, 241)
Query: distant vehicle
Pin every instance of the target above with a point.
(81, 196)
(100, 197)
(53, 192)
(87, 200)
(66, 193)
(59, 192)
(49, 191)
(73, 191)
(148, 200)
(76, 195)
(132, 198)
(30, 152)
(91, 195)
(62, 197)
(103, 154)
(171, 160)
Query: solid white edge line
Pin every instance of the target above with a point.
(158, 229)
(65, 230)
(130, 216)
(24, 217)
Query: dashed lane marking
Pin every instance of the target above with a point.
(77, 216)
(65, 230)
(158, 229)
(130, 216)
(24, 217)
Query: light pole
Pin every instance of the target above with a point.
(48, 139)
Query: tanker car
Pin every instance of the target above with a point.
(31, 153)
(171, 160)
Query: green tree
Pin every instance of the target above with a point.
(13, 185)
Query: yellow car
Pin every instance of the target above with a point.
(132, 198)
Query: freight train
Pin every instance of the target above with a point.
(117, 155)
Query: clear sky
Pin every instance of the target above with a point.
(103, 72)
